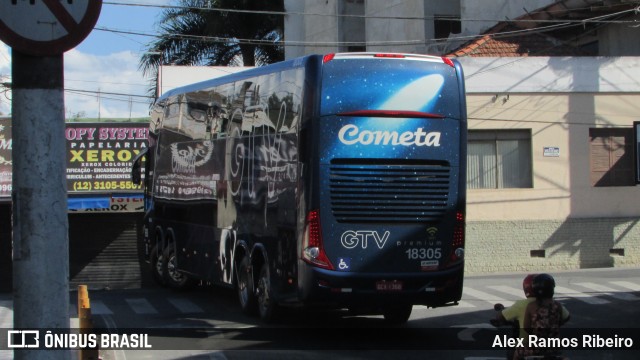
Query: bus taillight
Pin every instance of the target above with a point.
(312, 248)
(395, 56)
(448, 61)
(458, 238)
(328, 57)
(458, 232)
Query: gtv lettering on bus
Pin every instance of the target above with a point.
(351, 239)
(350, 135)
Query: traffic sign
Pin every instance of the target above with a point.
(47, 27)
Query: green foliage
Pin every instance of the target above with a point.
(195, 33)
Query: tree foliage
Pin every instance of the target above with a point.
(195, 32)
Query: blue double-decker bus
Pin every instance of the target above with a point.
(334, 181)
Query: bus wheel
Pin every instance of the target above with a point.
(174, 278)
(397, 313)
(156, 264)
(245, 288)
(266, 305)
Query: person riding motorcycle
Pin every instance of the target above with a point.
(543, 318)
(515, 313)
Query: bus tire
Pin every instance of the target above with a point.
(267, 307)
(245, 287)
(397, 314)
(172, 277)
(156, 265)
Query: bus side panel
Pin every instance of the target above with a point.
(186, 207)
(224, 175)
(261, 175)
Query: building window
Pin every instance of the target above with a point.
(351, 25)
(444, 25)
(356, 48)
(499, 159)
(611, 156)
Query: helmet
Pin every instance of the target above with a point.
(543, 286)
(527, 285)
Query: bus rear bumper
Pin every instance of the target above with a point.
(345, 289)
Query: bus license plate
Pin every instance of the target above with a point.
(389, 285)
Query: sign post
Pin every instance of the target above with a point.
(39, 32)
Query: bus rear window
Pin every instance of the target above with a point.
(389, 84)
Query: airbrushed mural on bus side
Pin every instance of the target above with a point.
(198, 159)
(230, 148)
(269, 159)
(6, 162)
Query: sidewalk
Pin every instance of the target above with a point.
(6, 324)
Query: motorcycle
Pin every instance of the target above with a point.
(515, 328)
(515, 333)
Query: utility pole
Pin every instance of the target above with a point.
(39, 32)
(40, 224)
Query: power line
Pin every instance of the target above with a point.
(260, 42)
(503, 34)
(337, 15)
(7, 86)
(555, 25)
(517, 59)
(541, 121)
(482, 106)
(105, 82)
(94, 92)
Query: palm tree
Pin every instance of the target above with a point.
(196, 32)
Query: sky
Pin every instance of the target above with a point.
(105, 62)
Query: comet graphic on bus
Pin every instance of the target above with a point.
(416, 95)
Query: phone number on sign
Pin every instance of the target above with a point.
(105, 185)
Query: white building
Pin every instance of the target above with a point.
(417, 26)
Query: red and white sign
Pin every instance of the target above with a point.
(47, 27)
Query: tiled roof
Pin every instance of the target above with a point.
(493, 44)
(515, 38)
